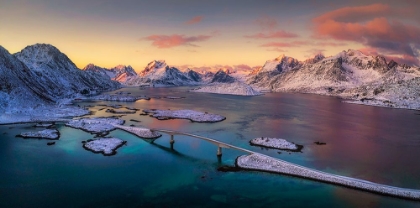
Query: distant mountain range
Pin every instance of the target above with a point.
(349, 74)
(41, 73)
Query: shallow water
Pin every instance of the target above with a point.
(371, 143)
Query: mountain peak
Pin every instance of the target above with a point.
(281, 57)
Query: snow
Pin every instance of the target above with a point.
(120, 111)
(95, 125)
(235, 88)
(349, 75)
(265, 163)
(158, 74)
(41, 114)
(192, 115)
(44, 134)
(276, 143)
(173, 97)
(140, 132)
(106, 146)
(119, 98)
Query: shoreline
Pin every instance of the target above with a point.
(286, 168)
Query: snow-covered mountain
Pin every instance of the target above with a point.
(119, 73)
(349, 74)
(158, 73)
(222, 76)
(58, 75)
(17, 88)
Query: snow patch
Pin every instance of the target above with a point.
(235, 88)
(140, 132)
(276, 143)
(44, 134)
(269, 164)
(95, 125)
(192, 115)
(106, 146)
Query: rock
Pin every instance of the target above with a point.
(276, 143)
(192, 115)
(106, 146)
(44, 134)
(320, 143)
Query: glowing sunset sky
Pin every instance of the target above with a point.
(198, 33)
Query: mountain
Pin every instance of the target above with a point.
(119, 73)
(17, 88)
(349, 74)
(158, 73)
(222, 77)
(58, 75)
(193, 75)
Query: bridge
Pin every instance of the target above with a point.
(219, 144)
(260, 162)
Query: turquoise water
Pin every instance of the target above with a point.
(376, 144)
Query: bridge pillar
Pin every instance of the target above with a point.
(172, 141)
(219, 151)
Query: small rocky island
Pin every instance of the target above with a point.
(235, 88)
(52, 134)
(195, 116)
(118, 111)
(95, 125)
(276, 143)
(140, 132)
(119, 98)
(106, 146)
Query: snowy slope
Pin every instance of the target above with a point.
(119, 73)
(222, 76)
(59, 75)
(158, 73)
(347, 74)
(17, 89)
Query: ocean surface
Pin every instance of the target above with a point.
(381, 145)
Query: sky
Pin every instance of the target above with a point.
(192, 33)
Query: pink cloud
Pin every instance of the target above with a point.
(285, 44)
(169, 41)
(355, 14)
(403, 59)
(266, 23)
(275, 34)
(376, 26)
(194, 20)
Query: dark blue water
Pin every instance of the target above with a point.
(377, 144)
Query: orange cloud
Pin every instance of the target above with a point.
(275, 34)
(300, 43)
(169, 41)
(370, 25)
(194, 20)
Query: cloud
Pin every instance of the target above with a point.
(403, 59)
(355, 14)
(376, 26)
(266, 23)
(314, 51)
(275, 34)
(194, 20)
(242, 67)
(169, 41)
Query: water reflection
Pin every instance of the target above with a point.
(371, 143)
